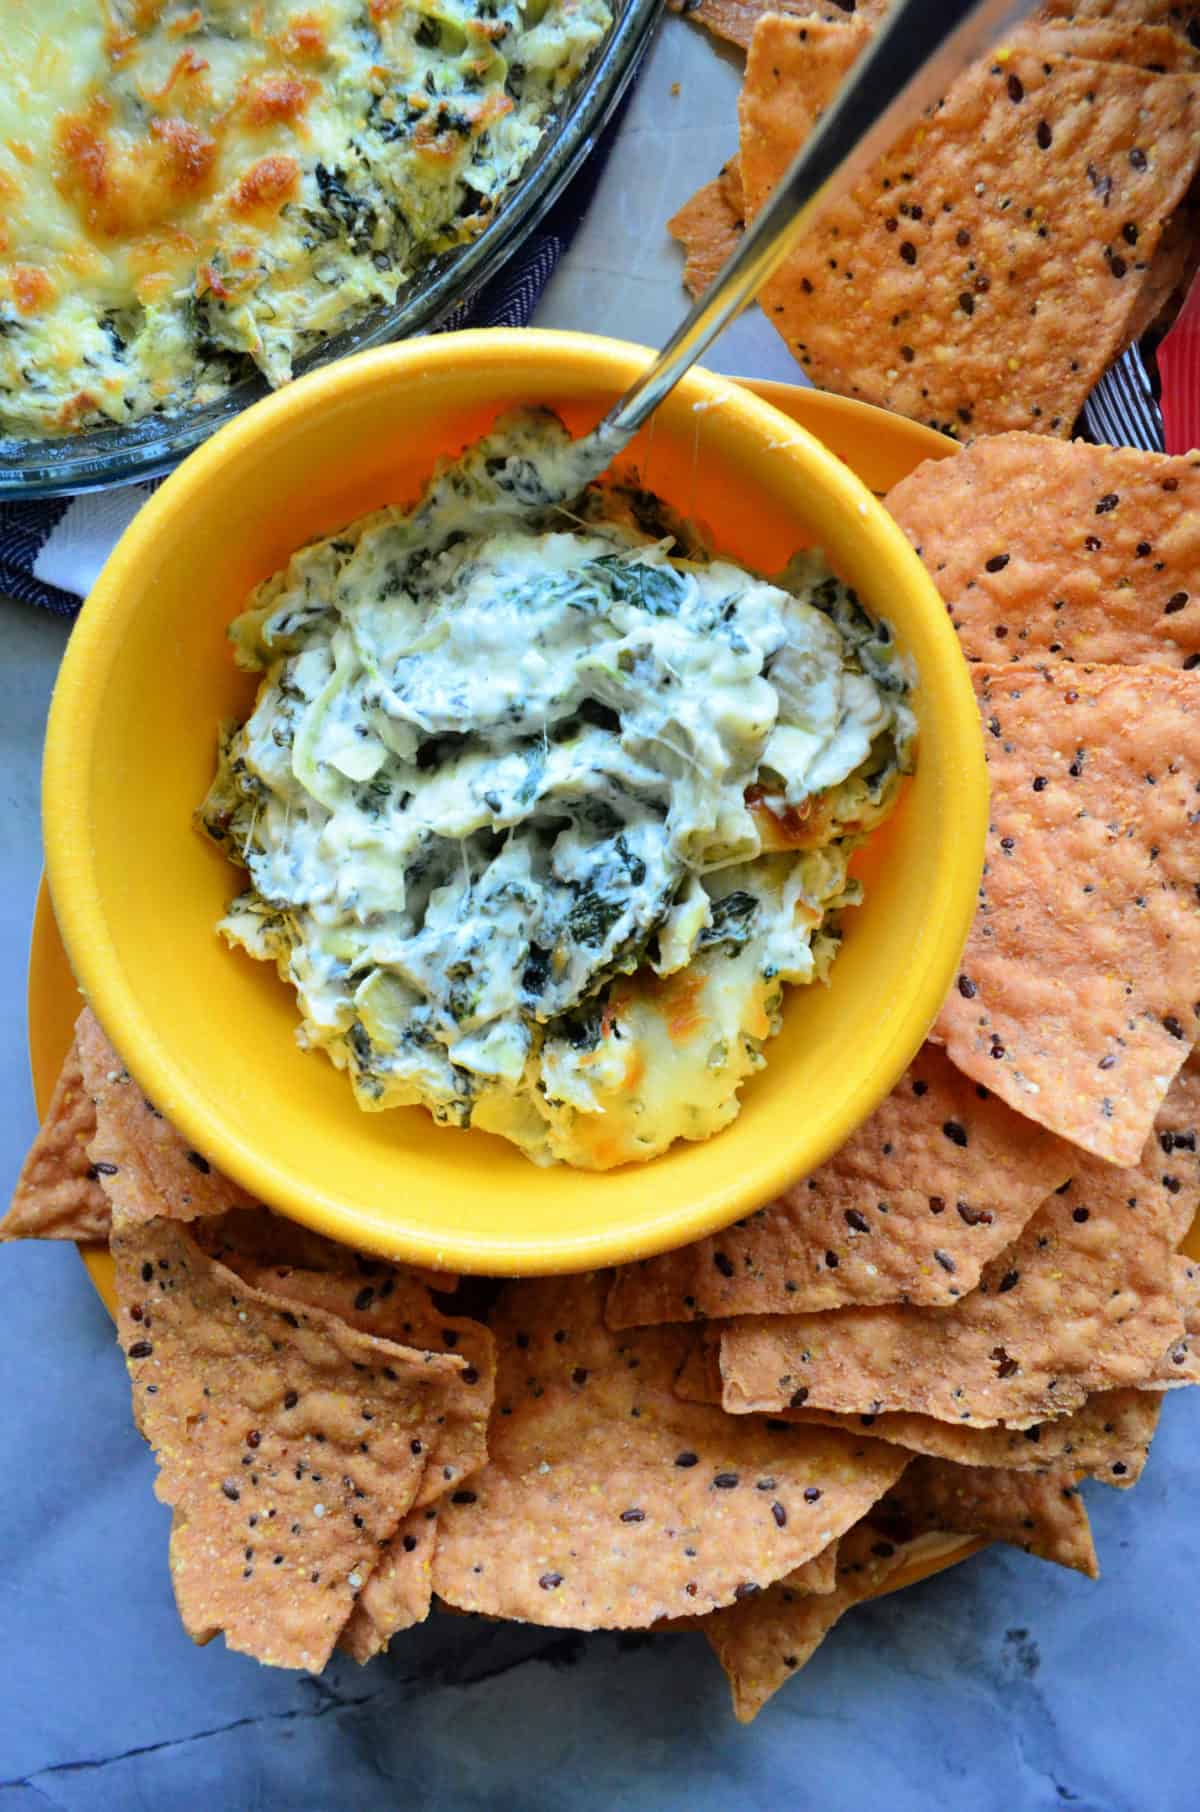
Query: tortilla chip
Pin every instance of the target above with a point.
(289, 1445)
(1042, 1515)
(1181, 1363)
(609, 1503)
(936, 1183)
(1151, 47)
(258, 1237)
(1076, 997)
(708, 227)
(1170, 14)
(1108, 1438)
(399, 1308)
(1177, 1134)
(698, 1379)
(1069, 552)
(1102, 39)
(148, 1169)
(58, 1194)
(398, 1591)
(1083, 1301)
(396, 1306)
(764, 1640)
(982, 276)
(818, 1575)
(735, 20)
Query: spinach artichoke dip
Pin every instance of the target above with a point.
(542, 807)
(192, 191)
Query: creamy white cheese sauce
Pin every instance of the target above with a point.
(539, 814)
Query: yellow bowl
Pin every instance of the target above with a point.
(209, 1035)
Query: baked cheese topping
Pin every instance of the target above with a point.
(540, 812)
(191, 191)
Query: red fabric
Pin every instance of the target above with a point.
(1179, 368)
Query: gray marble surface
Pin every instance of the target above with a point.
(1002, 1686)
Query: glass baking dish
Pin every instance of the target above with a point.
(113, 456)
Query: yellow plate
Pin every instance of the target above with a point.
(884, 448)
(209, 1034)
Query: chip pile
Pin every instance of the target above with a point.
(985, 273)
(980, 1300)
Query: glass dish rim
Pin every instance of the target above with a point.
(120, 456)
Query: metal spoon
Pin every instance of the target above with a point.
(921, 47)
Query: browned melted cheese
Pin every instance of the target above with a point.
(188, 192)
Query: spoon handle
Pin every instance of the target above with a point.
(907, 67)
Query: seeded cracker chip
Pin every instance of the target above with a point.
(58, 1195)
(981, 278)
(698, 1379)
(1110, 1435)
(912, 1207)
(817, 1577)
(1181, 1364)
(735, 20)
(1076, 998)
(285, 1443)
(763, 1641)
(708, 227)
(399, 1308)
(1068, 551)
(1177, 1132)
(1152, 47)
(1175, 15)
(1108, 1438)
(146, 1167)
(257, 1237)
(246, 1237)
(609, 1503)
(1083, 1301)
(398, 1591)
(1043, 1516)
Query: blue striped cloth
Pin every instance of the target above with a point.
(1123, 410)
(51, 550)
